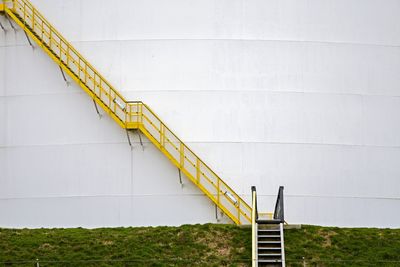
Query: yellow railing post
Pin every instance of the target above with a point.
(162, 134)
(60, 44)
(33, 19)
(238, 209)
(50, 38)
(182, 156)
(100, 89)
(68, 57)
(197, 170)
(24, 14)
(42, 31)
(129, 112)
(85, 73)
(125, 111)
(141, 113)
(218, 190)
(109, 99)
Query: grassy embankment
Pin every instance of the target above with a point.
(188, 245)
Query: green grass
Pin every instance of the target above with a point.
(332, 246)
(188, 245)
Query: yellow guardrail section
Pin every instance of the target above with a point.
(254, 229)
(128, 114)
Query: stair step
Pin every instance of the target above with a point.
(272, 236)
(270, 255)
(264, 242)
(269, 261)
(269, 222)
(268, 236)
(270, 242)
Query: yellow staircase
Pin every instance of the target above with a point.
(128, 114)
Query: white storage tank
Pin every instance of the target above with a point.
(298, 93)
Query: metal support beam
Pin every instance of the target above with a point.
(9, 21)
(216, 213)
(63, 74)
(180, 177)
(97, 109)
(29, 40)
(2, 27)
(129, 139)
(140, 139)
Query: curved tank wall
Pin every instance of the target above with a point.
(298, 93)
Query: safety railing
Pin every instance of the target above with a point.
(128, 114)
(279, 207)
(27, 16)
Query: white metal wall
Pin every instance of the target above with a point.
(300, 93)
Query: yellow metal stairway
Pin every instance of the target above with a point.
(128, 114)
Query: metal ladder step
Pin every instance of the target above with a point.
(270, 236)
(269, 242)
(268, 230)
(269, 261)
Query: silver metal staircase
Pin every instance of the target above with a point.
(268, 241)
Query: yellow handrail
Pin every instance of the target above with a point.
(128, 114)
(253, 228)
